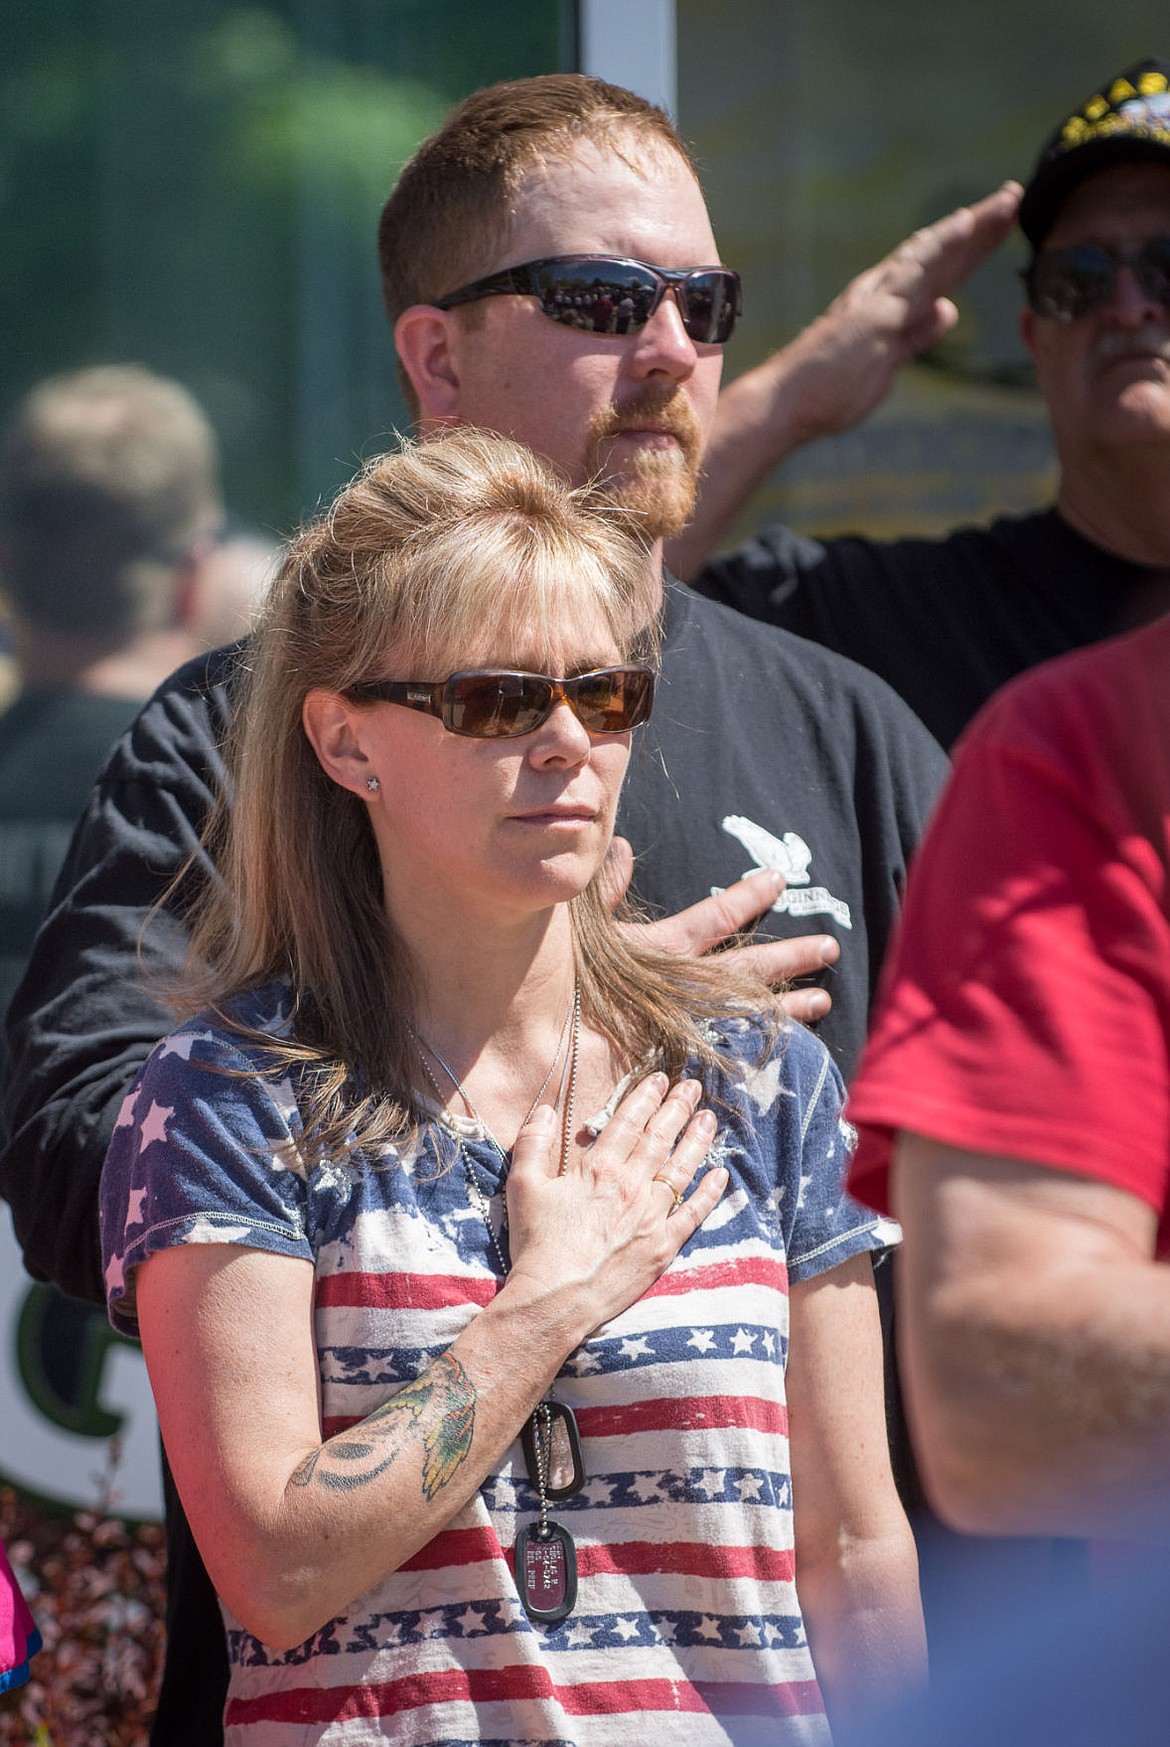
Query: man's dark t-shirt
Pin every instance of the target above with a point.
(944, 622)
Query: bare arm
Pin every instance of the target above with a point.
(1035, 1338)
(841, 367)
(292, 1526)
(856, 1568)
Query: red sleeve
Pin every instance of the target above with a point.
(1025, 1010)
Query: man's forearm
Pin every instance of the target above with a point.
(840, 367)
(1036, 1355)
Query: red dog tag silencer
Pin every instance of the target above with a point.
(546, 1572)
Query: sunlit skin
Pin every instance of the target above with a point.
(496, 830)
(1106, 376)
(550, 386)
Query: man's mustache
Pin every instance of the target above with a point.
(672, 414)
(1151, 339)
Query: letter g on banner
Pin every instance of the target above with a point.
(77, 1422)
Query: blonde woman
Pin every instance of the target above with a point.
(495, 1278)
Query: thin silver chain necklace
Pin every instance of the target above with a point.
(546, 1556)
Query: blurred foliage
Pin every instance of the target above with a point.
(95, 1588)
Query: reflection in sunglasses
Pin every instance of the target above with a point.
(1066, 284)
(609, 294)
(486, 704)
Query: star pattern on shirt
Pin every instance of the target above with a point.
(763, 1084)
(702, 1340)
(502, 1491)
(154, 1124)
(709, 1629)
(578, 1635)
(646, 1487)
(729, 1207)
(471, 1620)
(213, 1231)
(134, 1205)
(773, 1205)
(626, 1629)
(181, 1043)
(636, 1347)
(743, 1342)
(126, 1109)
(712, 1482)
(749, 1486)
(749, 1635)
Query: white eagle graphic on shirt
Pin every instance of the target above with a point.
(789, 855)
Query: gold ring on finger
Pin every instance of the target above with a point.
(677, 1193)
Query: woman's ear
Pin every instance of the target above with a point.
(334, 728)
(424, 340)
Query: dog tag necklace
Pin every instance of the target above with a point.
(546, 1556)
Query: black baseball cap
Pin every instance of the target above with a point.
(1127, 119)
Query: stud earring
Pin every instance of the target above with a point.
(373, 784)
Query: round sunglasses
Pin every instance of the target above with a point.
(490, 704)
(1066, 284)
(608, 294)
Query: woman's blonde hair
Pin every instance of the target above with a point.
(436, 556)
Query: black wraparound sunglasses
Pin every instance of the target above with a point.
(1066, 284)
(489, 704)
(608, 294)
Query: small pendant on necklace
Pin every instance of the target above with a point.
(555, 1425)
(546, 1571)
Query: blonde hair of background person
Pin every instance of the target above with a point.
(430, 899)
(110, 504)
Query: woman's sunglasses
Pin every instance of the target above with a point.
(607, 294)
(486, 704)
(1069, 283)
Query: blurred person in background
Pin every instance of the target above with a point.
(233, 577)
(110, 510)
(947, 621)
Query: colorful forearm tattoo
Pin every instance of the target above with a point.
(439, 1406)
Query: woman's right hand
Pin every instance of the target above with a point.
(599, 1236)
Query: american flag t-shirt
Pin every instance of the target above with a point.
(687, 1627)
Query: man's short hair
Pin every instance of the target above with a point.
(107, 478)
(450, 213)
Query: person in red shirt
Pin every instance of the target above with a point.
(1014, 1108)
